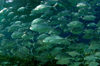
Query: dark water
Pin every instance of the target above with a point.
(50, 32)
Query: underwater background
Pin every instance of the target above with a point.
(49, 32)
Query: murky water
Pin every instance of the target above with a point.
(50, 32)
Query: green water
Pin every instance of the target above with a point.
(50, 33)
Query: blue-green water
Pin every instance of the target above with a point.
(50, 32)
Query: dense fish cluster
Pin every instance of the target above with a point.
(65, 31)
